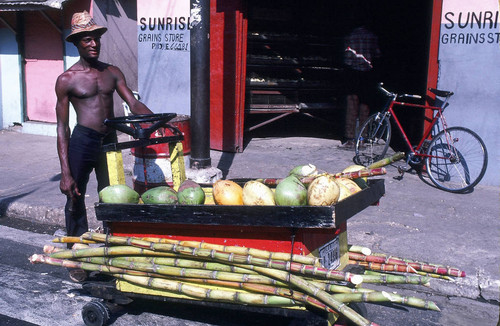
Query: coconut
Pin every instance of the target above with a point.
(190, 193)
(160, 195)
(301, 171)
(257, 193)
(347, 188)
(361, 182)
(323, 191)
(118, 194)
(227, 192)
(291, 192)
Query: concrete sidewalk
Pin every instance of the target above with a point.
(414, 220)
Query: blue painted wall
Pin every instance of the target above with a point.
(11, 105)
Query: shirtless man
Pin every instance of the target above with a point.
(89, 86)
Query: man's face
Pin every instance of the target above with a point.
(89, 46)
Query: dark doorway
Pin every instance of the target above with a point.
(295, 55)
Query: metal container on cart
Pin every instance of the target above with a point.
(303, 230)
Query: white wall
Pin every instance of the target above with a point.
(163, 55)
(469, 65)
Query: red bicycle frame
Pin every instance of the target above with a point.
(427, 132)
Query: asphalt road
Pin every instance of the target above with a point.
(43, 295)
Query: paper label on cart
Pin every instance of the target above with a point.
(329, 254)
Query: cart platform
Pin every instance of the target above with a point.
(307, 217)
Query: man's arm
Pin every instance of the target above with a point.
(67, 183)
(126, 94)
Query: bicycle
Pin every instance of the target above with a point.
(455, 157)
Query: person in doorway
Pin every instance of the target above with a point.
(89, 86)
(361, 49)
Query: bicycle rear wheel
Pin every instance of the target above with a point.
(458, 159)
(373, 140)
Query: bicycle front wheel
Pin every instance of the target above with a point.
(373, 140)
(457, 159)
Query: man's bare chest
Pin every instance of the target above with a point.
(92, 84)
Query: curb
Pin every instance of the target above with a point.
(41, 214)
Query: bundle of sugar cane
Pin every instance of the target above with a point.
(233, 277)
(183, 265)
(388, 263)
(155, 280)
(233, 258)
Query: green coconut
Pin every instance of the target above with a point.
(291, 192)
(118, 194)
(190, 193)
(160, 195)
(301, 171)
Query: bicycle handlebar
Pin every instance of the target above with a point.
(386, 92)
(391, 94)
(418, 97)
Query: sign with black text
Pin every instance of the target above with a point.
(164, 55)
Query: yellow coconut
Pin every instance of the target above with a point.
(257, 193)
(227, 192)
(347, 188)
(323, 191)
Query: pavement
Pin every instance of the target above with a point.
(413, 219)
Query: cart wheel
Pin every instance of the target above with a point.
(95, 313)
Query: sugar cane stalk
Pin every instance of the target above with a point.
(416, 266)
(384, 296)
(206, 293)
(189, 263)
(188, 272)
(308, 260)
(359, 249)
(364, 173)
(336, 288)
(82, 265)
(386, 161)
(396, 268)
(67, 239)
(407, 260)
(108, 251)
(430, 275)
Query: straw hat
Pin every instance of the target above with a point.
(81, 22)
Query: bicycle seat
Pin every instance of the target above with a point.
(440, 92)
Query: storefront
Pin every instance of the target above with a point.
(271, 62)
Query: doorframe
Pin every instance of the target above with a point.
(433, 64)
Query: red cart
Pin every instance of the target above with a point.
(303, 230)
